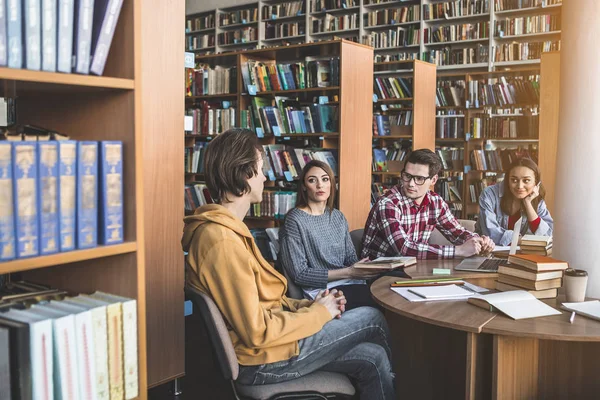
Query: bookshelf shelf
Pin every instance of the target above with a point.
(57, 82)
(467, 41)
(284, 19)
(232, 45)
(345, 31)
(301, 135)
(390, 4)
(408, 46)
(394, 100)
(392, 137)
(296, 37)
(462, 66)
(205, 30)
(200, 50)
(66, 257)
(307, 90)
(237, 26)
(385, 26)
(527, 35)
(335, 11)
(211, 96)
(528, 10)
(459, 18)
(450, 140)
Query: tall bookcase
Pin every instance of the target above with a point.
(354, 100)
(485, 46)
(95, 108)
(420, 130)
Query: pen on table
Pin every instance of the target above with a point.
(411, 284)
(572, 317)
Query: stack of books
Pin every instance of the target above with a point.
(539, 275)
(534, 244)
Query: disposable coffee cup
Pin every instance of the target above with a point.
(575, 283)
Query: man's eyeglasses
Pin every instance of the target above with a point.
(419, 180)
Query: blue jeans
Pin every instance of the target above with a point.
(355, 345)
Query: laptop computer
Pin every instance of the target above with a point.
(485, 264)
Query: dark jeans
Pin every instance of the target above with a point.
(355, 345)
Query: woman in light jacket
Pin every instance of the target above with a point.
(520, 195)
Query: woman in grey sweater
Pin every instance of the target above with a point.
(316, 250)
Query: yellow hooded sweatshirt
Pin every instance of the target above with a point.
(225, 263)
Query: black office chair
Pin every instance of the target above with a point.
(317, 385)
(356, 236)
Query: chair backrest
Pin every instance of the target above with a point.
(439, 239)
(217, 332)
(356, 236)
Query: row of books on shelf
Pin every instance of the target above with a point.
(386, 125)
(391, 16)
(510, 127)
(283, 115)
(68, 347)
(399, 56)
(238, 17)
(60, 196)
(394, 37)
(194, 158)
(453, 9)
(287, 9)
(73, 37)
(449, 189)
(198, 23)
(324, 5)
(540, 275)
(504, 91)
(528, 25)
(519, 51)
(505, 5)
(195, 195)
(211, 118)
(287, 162)
(274, 204)
(200, 41)
(458, 32)
(396, 152)
(334, 23)
(452, 158)
(449, 125)
(243, 35)
(205, 80)
(477, 186)
(450, 93)
(498, 159)
(284, 29)
(260, 76)
(393, 87)
(467, 55)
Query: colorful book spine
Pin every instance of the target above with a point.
(65, 35)
(111, 186)
(67, 156)
(87, 194)
(33, 35)
(106, 15)
(7, 214)
(48, 196)
(14, 33)
(25, 196)
(49, 38)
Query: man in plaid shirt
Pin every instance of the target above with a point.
(401, 221)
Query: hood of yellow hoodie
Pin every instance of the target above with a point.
(211, 213)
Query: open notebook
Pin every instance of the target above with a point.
(517, 304)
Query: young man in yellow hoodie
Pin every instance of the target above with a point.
(275, 338)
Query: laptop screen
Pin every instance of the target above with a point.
(515, 237)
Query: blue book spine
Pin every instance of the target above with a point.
(3, 37)
(65, 35)
(7, 214)
(25, 194)
(67, 182)
(49, 23)
(111, 187)
(82, 35)
(33, 34)
(87, 194)
(48, 196)
(15, 34)
(106, 16)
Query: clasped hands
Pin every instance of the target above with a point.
(334, 300)
(477, 245)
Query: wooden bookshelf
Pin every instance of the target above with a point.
(548, 134)
(360, 9)
(421, 133)
(96, 108)
(351, 141)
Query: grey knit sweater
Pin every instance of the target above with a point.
(313, 244)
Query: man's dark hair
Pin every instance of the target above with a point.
(426, 157)
(231, 158)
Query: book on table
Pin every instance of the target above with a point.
(539, 294)
(537, 262)
(536, 240)
(517, 304)
(526, 273)
(530, 284)
(386, 263)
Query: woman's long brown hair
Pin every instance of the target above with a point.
(508, 198)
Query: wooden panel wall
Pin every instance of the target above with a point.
(356, 119)
(162, 86)
(549, 106)
(424, 88)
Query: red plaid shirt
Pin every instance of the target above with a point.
(398, 226)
